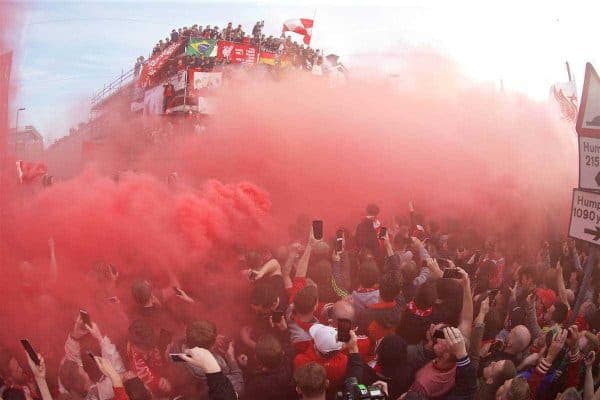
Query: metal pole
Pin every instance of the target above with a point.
(569, 71)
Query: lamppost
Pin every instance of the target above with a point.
(17, 126)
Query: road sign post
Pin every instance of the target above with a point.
(585, 208)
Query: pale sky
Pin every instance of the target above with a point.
(69, 50)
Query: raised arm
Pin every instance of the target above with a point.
(39, 373)
(286, 268)
(108, 349)
(423, 253)
(355, 367)
(466, 374)
(270, 268)
(107, 368)
(588, 385)
(531, 318)
(389, 251)
(560, 283)
(219, 387)
(53, 263)
(302, 267)
(466, 314)
(411, 214)
(546, 363)
(340, 270)
(477, 333)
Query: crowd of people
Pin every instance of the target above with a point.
(414, 310)
(298, 55)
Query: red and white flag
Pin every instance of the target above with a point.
(28, 171)
(565, 95)
(301, 26)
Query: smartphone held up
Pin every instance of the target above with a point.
(30, 351)
(339, 241)
(344, 327)
(176, 357)
(317, 226)
(451, 273)
(382, 232)
(85, 318)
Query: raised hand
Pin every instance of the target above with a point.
(557, 345)
(94, 331)
(573, 338)
(39, 371)
(589, 359)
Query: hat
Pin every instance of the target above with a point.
(547, 297)
(325, 338)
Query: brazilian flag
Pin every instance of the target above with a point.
(198, 46)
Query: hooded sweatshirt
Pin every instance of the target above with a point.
(363, 298)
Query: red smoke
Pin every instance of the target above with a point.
(279, 148)
(460, 149)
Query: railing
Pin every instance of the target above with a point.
(108, 90)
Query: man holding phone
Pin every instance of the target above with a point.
(267, 297)
(367, 231)
(203, 334)
(77, 347)
(302, 317)
(326, 351)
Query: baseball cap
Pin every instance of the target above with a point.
(547, 296)
(325, 338)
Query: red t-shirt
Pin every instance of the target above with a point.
(335, 366)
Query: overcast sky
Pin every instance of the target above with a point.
(69, 50)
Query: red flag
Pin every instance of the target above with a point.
(28, 171)
(301, 26)
(153, 66)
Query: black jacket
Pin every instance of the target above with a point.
(465, 383)
(271, 385)
(366, 236)
(219, 387)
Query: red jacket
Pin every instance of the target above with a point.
(335, 366)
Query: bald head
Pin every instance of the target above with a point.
(518, 339)
(343, 309)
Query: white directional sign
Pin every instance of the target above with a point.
(589, 163)
(585, 216)
(588, 119)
